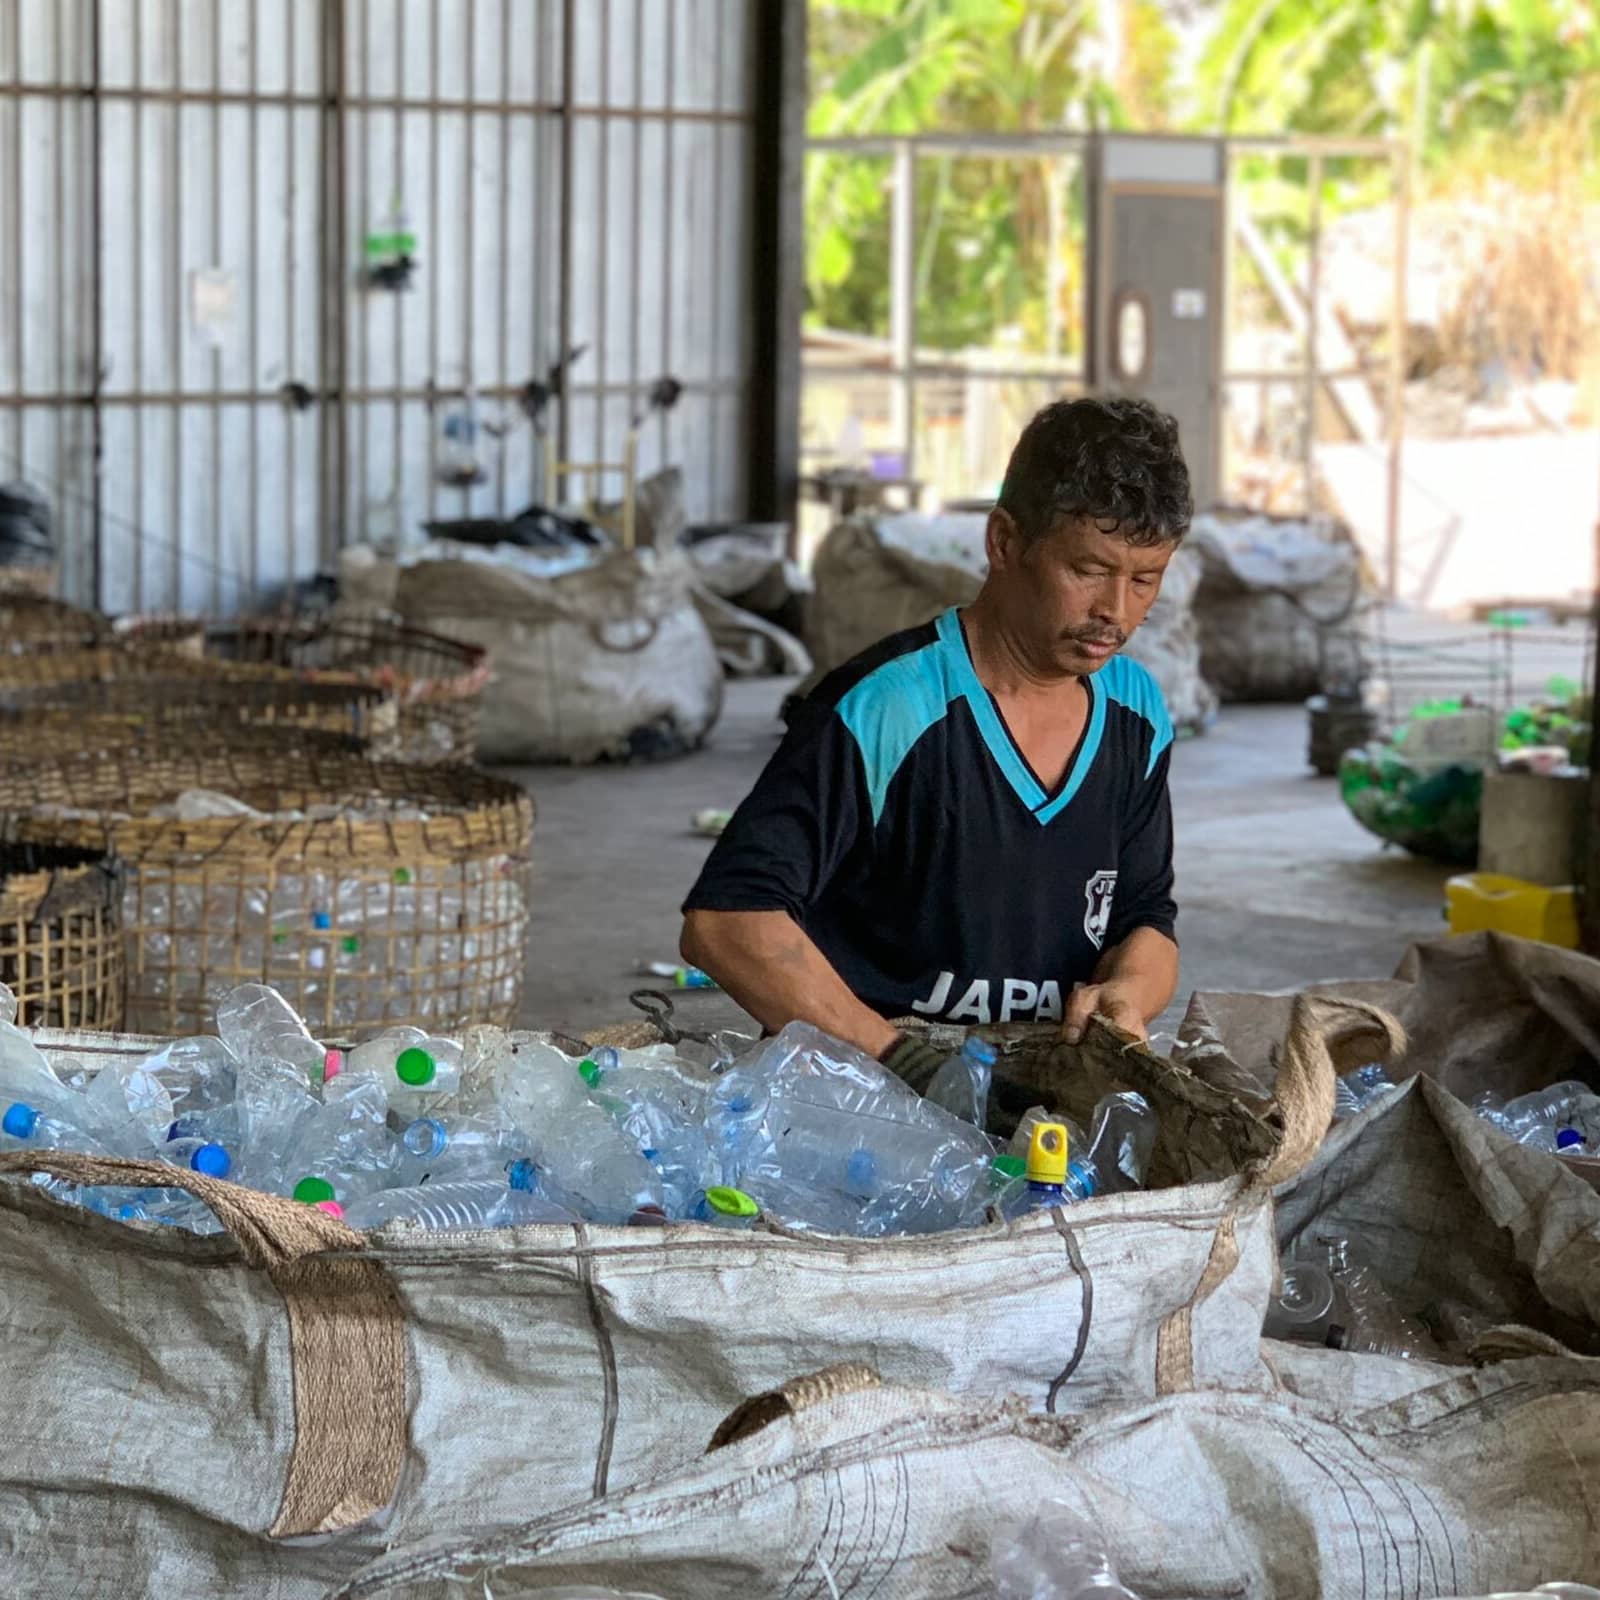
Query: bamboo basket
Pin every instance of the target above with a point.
(61, 949)
(370, 892)
(146, 692)
(33, 622)
(437, 681)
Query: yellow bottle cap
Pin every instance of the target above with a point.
(1047, 1153)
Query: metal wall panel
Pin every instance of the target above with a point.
(589, 189)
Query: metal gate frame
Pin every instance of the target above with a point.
(746, 400)
(906, 369)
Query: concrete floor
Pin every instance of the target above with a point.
(1277, 885)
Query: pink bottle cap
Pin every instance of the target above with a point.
(332, 1207)
(332, 1065)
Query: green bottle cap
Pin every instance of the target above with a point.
(351, 943)
(415, 1067)
(589, 1072)
(731, 1203)
(402, 875)
(313, 1191)
(1007, 1169)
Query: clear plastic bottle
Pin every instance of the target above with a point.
(1055, 1554)
(1375, 1324)
(413, 1067)
(663, 1113)
(722, 1207)
(127, 1107)
(1124, 1134)
(452, 1147)
(204, 1156)
(1357, 1090)
(961, 1085)
(1055, 1176)
(803, 1207)
(1306, 1307)
(578, 1145)
(257, 1024)
(274, 1108)
(345, 1143)
(26, 1127)
(26, 1076)
(1539, 1120)
(455, 1206)
(1008, 1182)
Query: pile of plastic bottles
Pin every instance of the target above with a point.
(1329, 1295)
(1055, 1554)
(1357, 1090)
(498, 1129)
(1564, 1119)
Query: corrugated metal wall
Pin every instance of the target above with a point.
(575, 171)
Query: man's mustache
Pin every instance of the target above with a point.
(1096, 636)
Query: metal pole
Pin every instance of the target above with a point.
(902, 297)
(1397, 370)
(1308, 442)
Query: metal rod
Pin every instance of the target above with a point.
(291, 453)
(635, 242)
(561, 439)
(135, 246)
(216, 349)
(713, 508)
(1308, 440)
(602, 275)
(430, 444)
(175, 266)
(60, 248)
(397, 433)
(503, 342)
(1397, 373)
(335, 242)
(254, 235)
(469, 201)
(357, 490)
(96, 309)
(902, 297)
(670, 163)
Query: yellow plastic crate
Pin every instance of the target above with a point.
(1479, 902)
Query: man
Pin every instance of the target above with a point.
(970, 820)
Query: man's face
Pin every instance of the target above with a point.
(1076, 594)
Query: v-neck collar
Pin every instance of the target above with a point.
(1002, 748)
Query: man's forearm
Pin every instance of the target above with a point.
(1144, 968)
(768, 963)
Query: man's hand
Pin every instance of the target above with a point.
(1114, 1001)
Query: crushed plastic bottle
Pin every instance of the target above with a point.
(1564, 1118)
(1055, 1554)
(1124, 1134)
(446, 1147)
(1373, 1322)
(1357, 1090)
(446, 1207)
(257, 1024)
(961, 1085)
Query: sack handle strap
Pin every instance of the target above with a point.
(346, 1335)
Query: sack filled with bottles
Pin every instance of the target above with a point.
(1455, 1194)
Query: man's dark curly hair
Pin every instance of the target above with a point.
(1115, 461)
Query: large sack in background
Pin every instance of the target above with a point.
(1464, 1223)
(612, 661)
(875, 575)
(1277, 605)
(180, 1407)
(835, 1485)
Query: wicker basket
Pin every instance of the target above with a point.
(32, 622)
(399, 897)
(439, 682)
(61, 950)
(19, 580)
(140, 688)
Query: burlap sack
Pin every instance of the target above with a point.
(1446, 1209)
(611, 661)
(837, 1485)
(182, 1406)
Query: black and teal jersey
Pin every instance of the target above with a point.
(902, 828)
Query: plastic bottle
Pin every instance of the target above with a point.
(961, 1085)
(127, 1107)
(412, 1066)
(1053, 1555)
(802, 1207)
(1008, 1182)
(199, 1073)
(455, 1206)
(577, 1144)
(26, 1127)
(257, 1024)
(344, 1143)
(204, 1156)
(1055, 1178)
(1305, 1307)
(26, 1076)
(274, 1108)
(453, 1147)
(1375, 1324)
(663, 1113)
(722, 1207)
(1124, 1134)
(1540, 1119)
(1355, 1091)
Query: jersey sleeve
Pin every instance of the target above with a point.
(784, 844)
(1144, 876)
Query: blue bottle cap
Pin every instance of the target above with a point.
(979, 1050)
(1569, 1139)
(19, 1121)
(523, 1175)
(861, 1170)
(211, 1160)
(321, 920)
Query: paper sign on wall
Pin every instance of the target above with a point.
(1188, 305)
(212, 295)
